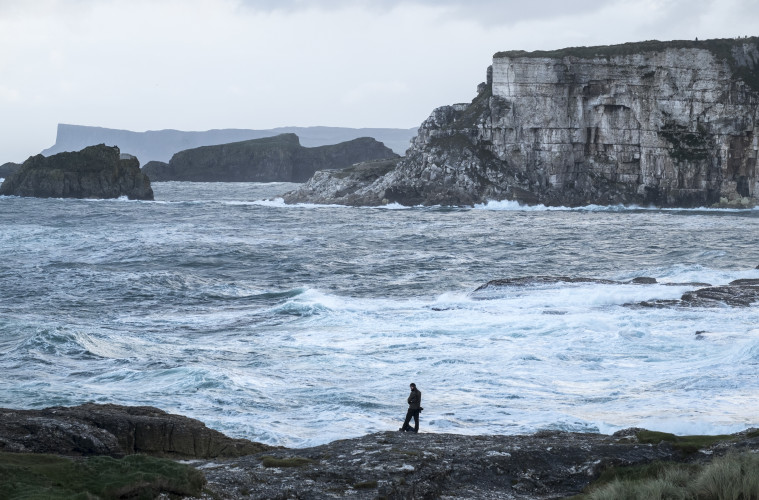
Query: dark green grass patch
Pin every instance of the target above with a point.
(687, 444)
(39, 476)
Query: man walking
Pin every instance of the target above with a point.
(414, 407)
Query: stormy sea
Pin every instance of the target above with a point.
(297, 325)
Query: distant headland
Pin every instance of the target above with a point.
(161, 145)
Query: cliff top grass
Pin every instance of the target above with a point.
(720, 47)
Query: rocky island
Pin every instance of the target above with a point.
(94, 172)
(669, 124)
(392, 465)
(272, 159)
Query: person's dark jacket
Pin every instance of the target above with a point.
(415, 399)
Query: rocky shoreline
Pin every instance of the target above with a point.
(548, 464)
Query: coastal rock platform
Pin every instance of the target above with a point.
(547, 464)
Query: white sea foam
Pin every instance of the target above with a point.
(508, 205)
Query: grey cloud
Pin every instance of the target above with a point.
(485, 12)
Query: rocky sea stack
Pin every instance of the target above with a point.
(272, 159)
(94, 172)
(670, 124)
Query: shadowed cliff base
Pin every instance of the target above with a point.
(666, 124)
(547, 464)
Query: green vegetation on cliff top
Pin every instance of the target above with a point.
(720, 47)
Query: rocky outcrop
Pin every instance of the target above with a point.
(94, 172)
(272, 159)
(671, 124)
(93, 429)
(344, 187)
(8, 169)
(737, 293)
(545, 465)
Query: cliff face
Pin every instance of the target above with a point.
(94, 172)
(662, 123)
(273, 159)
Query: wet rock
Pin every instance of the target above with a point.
(731, 295)
(738, 293)
(94, 172)
(542, 280)
(644, 280)
(93, 429)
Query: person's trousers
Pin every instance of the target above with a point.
(411, 413)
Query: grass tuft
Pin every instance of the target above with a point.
(734, 476)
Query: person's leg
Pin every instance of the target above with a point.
(406, 427)
(416, 420)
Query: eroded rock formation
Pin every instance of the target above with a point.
(94, 172)
(651, 123)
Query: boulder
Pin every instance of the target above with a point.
(93, 172)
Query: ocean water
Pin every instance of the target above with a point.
(299, 325)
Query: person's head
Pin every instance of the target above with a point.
(413, 386)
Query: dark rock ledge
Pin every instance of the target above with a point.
(548, 464)
(737, 293)
(94, 429)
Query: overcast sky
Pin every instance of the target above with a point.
(203, 64)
